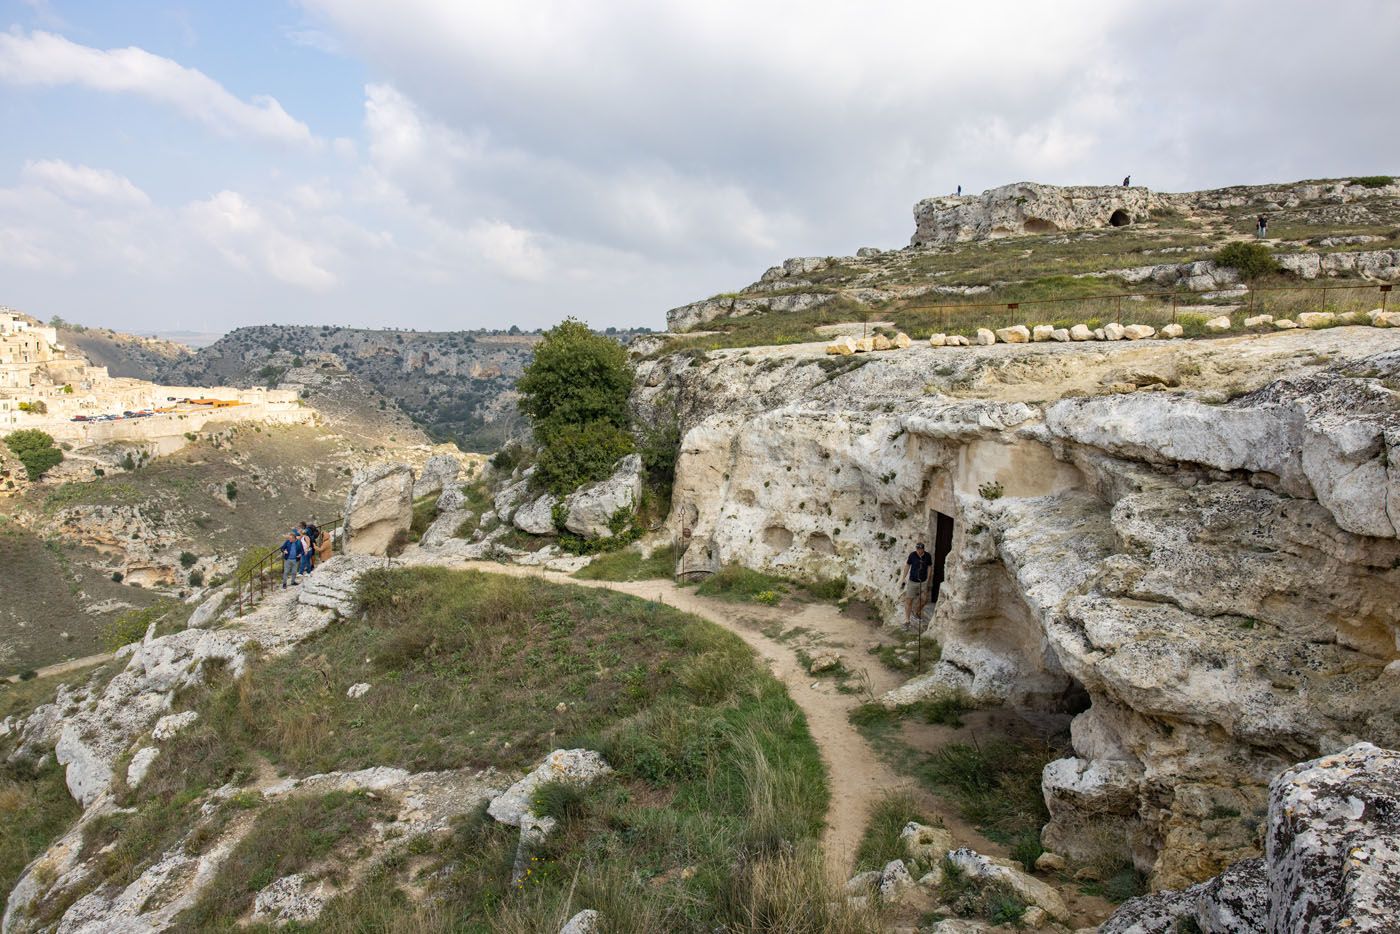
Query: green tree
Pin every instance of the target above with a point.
(574, 391)
(1250, 260)
(35, 450)
(575, 377)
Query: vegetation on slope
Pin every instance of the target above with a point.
(709, 821)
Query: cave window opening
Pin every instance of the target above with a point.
(940, 532)
(1119, 218)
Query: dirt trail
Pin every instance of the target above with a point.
(63, 668)
(859, 776)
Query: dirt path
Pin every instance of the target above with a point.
(63, 668)
(858, 775)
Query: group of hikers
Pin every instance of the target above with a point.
(305, 547)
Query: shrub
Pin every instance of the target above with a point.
(196, 578)
(1373, 181)
(992, 490)
(575, 377)
(188, 559)
(231, 491)
(29, 674)
(37, 407)
(35, 450)
(1250, 260)
(575, 455)
(131, 626)
(117, 577)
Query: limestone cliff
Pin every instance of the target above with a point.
(1191, 546)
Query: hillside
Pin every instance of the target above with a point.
(1065, 254)
(124, 354)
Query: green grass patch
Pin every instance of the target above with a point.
(741, 584)
(424, 512)
(629, 565)
(287, 836)
(995, 785)
(881, 843)
(35, 809)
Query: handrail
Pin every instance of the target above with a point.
(253, 583)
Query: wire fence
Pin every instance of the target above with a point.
(1156, 308)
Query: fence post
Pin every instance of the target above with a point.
(1118, 313)
(1173, 308)
(1324, 299)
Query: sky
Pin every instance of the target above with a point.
(444, 164)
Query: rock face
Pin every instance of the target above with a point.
(438, 473)
(378, 508)
(1027, 207)
(591, 509)
(1331, 863)
(1208, 583)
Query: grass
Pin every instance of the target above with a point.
(424, 512)
(710, 820)
(630, 565)
(881, 842)
(905, 656)
(35, 808)
(741, 584)
(996, 786)
(287, 836)
(995, 902)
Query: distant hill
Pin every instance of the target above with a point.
(123, 354)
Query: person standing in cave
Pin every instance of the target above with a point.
(915, 578)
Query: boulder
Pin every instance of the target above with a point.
(865, 345)
(1060, 334)
(1258, 321)
(140, 765)
(957, 340)
(825, 660)
(1384, 319)
(291, 898)
(842, 346)
(1331, 858)
(863, 883)
(360, 689)
(1284, 324)
(168, 726)
(1137, 332)
(1042, 332)
(573, 765)
(1113, 331)
(1171, 330)
(1081, 332)
(1219, 324)
(208, 610)
(992, 869)
(378, 508)
(985, 337)
(901, 340)
(1316, 319)
(537, 518)
(439, 472)
(1016, 334)
(881, 342)
(924, 843)
(1099, 334)
(591, 509)
(938, 340)
(585, 922)
(894, 880)
(1050, 862)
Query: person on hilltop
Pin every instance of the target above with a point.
(304, 545)
(1126, 180)
(291, 558)
(313, 535)
(915, 578)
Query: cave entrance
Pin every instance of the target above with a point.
(1119, 218)
(940, 532)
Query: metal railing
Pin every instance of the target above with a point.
(254, 582)
(1153, 307)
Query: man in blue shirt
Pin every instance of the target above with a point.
(291, 557)
(915, 577)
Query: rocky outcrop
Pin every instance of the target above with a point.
(1332, 859)
(1027, 207)
(1206, 579)
(591, 509)
(378, 508)
(437, 473)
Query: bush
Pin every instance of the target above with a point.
(575, 377)
(117, 577)
(188, 559)
(35, 450)
(37, 407)
(196, 578)
(231, 491)
(1373, 181)
(578, 454)
(1250, 260)
(131, 626)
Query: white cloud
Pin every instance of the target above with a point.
(80, 183)
(42, 58)
(252, 241)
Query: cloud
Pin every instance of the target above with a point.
(251, 240)
(80, 183)
(45, 59)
